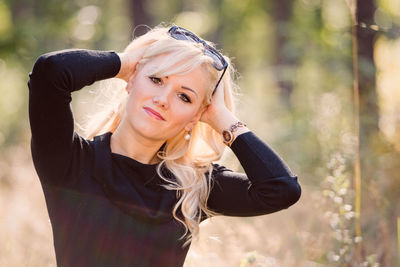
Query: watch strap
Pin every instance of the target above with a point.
(228, 136)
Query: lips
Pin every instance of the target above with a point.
(154, 113)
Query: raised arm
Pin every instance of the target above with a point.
(54, 77)
(267, 185)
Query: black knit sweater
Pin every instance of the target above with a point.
(107, 209)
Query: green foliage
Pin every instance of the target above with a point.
(295, 61)
(341, 213)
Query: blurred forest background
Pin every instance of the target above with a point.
(298, 78)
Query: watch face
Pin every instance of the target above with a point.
(227, 135)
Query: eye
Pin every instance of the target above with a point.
(185, 98)
(156, 80)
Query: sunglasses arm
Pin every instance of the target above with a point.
(220, 78)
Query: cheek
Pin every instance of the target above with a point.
(134, 101)
(130, 103)
(139, 91)
(136, 87)
(183, 116)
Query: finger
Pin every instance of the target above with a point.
(139, 52)
(134, 58)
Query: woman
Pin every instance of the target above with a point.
(147, 179)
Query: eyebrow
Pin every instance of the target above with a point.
(187, 88)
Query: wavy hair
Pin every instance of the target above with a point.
(190, 162)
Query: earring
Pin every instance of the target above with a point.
(187, 136)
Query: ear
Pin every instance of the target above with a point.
(129, 85)
(195, 119)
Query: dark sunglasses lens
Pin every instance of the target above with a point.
(219, 61)
(183, 34)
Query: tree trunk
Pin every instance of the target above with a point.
(369, 124)
(139, 16)
(281, 12)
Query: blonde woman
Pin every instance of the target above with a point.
(133, 192)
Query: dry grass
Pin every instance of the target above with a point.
(25, 228)
(298, 236)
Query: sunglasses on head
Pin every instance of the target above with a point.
(219, 62)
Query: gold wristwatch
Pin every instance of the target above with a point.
(227, 135)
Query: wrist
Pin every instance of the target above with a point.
(122, 70)
(222, 119)
(229, 135)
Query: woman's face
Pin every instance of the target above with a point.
(177, 99)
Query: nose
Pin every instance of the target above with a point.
(161, 100)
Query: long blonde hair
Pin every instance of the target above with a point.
(187, 161)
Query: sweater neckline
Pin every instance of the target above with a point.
(147, 171)
(127, 159)
(122, 192)
(133, 162)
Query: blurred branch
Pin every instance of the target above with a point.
(357, 170)
(392, 32)
(398, 240)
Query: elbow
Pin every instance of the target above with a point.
(292, 192)
(282, 193)
(46, 66)
(49, 70)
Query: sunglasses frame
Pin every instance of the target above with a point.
(183, 34)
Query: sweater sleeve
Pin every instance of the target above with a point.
(54, 77)
(267, 186)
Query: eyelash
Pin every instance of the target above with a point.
(158, 81)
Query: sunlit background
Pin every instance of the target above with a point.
(295, 70)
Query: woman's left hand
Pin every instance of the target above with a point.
(217, 115)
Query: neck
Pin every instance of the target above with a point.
(129, 143)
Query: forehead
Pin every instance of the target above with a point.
(164, 64)
(198, 79)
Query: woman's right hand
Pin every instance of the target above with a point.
(129, 61)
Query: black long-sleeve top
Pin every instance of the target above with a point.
(108, 209)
